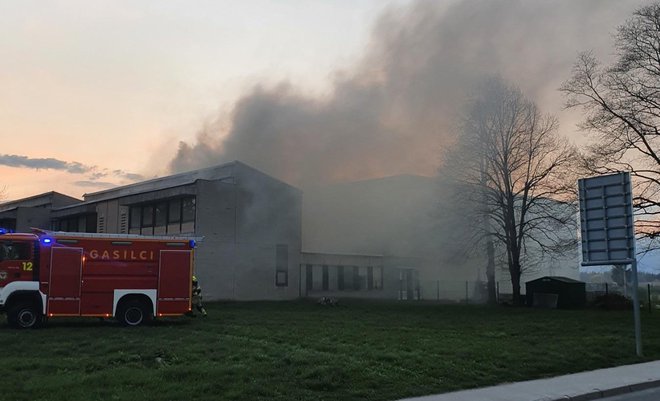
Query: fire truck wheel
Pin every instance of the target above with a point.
(133, 313)
(25, 315)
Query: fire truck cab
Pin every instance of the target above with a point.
(129, 277)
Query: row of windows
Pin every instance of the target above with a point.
(344, 278)
(85, 223)
(175, 216)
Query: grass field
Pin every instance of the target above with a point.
(302, 351)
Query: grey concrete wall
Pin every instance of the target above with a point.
(28, 217)
(216, 211)
(242, 223)
(214, 268)
(61, 200)
(255, 273)
(269, 213)
(108, 213)
(242, 272)
(215, 256)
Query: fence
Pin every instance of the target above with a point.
(454, 291)
(647, 293)
(457, 291)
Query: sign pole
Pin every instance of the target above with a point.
(635, 296)
(607, 227)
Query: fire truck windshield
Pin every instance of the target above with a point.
(14, 251)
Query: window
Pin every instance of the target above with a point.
(282, 265)
(356, 278)
(332, 278)
(308, 277)
(90, 223)
(188, 215)
(188, 209)
(378, 278)
(317, 276)
(348, 278)
(160, 218)
(325, 280)
(135, 217)
(340, 278)
(175, 211)
(147, 227)
(14, 251)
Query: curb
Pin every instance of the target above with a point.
(610, 392)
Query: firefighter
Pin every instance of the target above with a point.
(197, 298)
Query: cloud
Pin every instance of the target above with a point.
(128, 176)
(94, 184)
(95, 173)
(394, 111)
(44, 163)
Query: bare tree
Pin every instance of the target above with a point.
(515, 172)
(622, 111)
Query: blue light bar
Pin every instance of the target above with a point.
(46, 240)
(192, 243)
(3, 231)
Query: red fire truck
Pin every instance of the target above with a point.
(132, 278)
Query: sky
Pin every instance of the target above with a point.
(96, 94)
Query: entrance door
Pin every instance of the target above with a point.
(64, 282)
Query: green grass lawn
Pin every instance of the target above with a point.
(302, 351)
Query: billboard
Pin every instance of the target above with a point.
(606, 220)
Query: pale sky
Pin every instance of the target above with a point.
(114, 85)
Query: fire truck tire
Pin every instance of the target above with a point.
(25, 315)
(133, 312)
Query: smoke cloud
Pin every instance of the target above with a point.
(393, 112)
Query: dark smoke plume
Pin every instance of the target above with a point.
(392, 113)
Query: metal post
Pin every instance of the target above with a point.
(438, 285)
(607, 298)
(648, 288)
(497, 298)
(467, 300)
(638, 325)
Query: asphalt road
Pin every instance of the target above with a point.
(652, 394)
